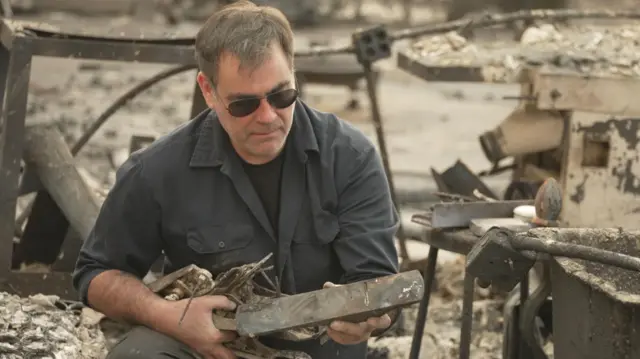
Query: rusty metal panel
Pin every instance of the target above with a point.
(588, 323)
(596, 307)
(354, 302)
(458, 215)
(565, 90)
(15, 69)
(601, 178)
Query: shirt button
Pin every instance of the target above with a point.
(221, 244)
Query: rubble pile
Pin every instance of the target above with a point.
(596, 50)
(43, 327)
(442, 331)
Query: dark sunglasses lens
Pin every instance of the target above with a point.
(245, 107)
(283, 99)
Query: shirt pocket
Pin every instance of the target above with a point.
(220, 247)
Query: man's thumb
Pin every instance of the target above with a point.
(329, 285)
(218, 302)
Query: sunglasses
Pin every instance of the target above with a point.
(246, 106)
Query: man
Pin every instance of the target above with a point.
(260, 172)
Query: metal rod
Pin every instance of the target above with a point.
(485, 21)
(577, 251)
(429, 275)
(467, 317)
(384, 153)
(521, 346)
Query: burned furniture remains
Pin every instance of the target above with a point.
(593, 274)
(574, 121)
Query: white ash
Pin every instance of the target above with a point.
(596, 50)
(442, 332)
(35, 328)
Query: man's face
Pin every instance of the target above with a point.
(259, 136)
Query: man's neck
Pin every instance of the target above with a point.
(260, 160)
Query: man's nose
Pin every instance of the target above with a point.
(265, 112)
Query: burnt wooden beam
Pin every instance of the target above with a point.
(48, 153)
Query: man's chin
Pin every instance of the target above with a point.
(267, 151)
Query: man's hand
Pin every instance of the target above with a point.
(354, 333)
(197, 330)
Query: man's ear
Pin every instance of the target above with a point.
(206, 88)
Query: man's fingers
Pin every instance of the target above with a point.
(224, 336)
(342, 338)
(221, 352)
(330, 285)
(382, 322)
(354, 329)
(219, 302)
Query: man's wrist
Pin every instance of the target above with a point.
(160, 316)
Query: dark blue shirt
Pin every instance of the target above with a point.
(187, 195)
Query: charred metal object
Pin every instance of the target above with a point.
(494, 260)
(503, 257)
(596, 306)
(526, 130)
(548, 203)
(460, 214)
(460, 179)
(296, 317)
(371, 45)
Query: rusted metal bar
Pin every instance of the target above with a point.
(570, 243)
(353, 302)
(376, 117)
(466, 325)
(15, 70)
(459, 215)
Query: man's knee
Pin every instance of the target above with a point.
(144, 343)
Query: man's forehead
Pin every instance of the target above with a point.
(235, 79)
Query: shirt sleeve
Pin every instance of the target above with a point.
(126, 235)
(368, 220)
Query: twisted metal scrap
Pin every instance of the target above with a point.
(484, 20)
(239, 286)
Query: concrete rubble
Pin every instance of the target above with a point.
(593, 49)
(40, 327)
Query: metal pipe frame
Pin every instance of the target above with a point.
(19, 44)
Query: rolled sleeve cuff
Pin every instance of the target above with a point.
(83, 280)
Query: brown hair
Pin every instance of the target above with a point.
(244, 30)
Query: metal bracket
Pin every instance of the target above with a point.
(371, 45)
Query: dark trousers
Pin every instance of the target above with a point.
(144, 343)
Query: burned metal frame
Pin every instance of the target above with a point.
(20, 43)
